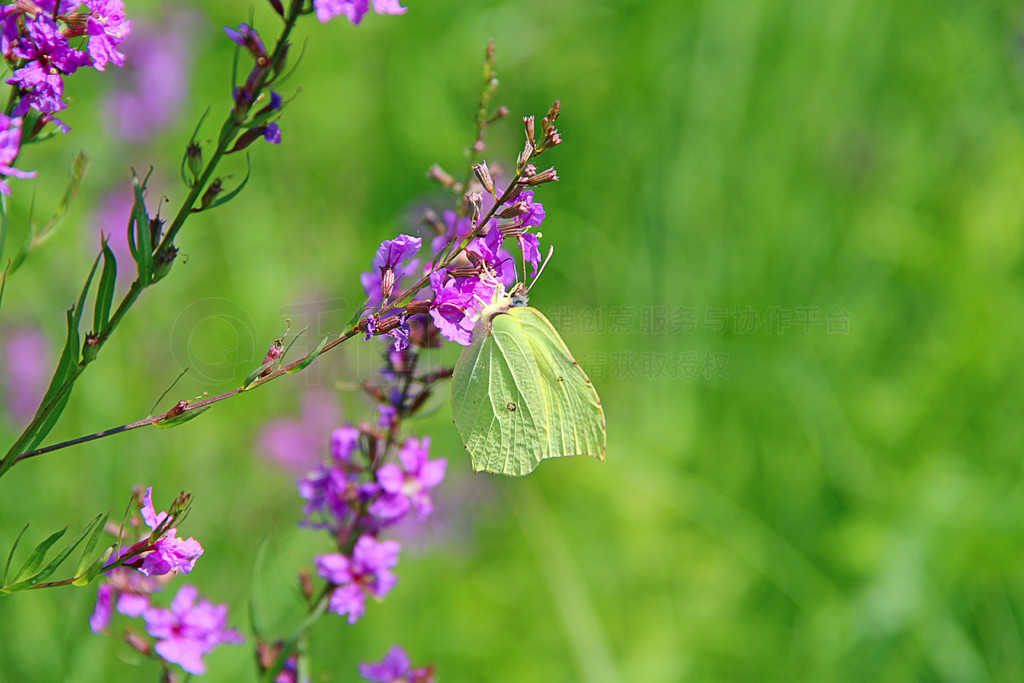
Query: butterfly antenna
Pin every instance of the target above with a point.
(551, 250)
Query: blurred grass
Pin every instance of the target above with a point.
(840, 506)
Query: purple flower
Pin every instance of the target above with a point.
(9, 29)
(406, 486)
(168, 553)
(367, 572)
(395, 668)
(386, 274)
(49, 58)
(272, 133)
(187, 631)
(355, 10)
(25, 371)
(107, 28)
(247, 37)
(332, 492)
(457, 228)
(388, 415)
(535, 213)
(457, 304)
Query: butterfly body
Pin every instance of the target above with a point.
(518, 395)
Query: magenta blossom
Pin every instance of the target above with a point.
(367, 572)
(107, 28)
(354, 10)
(189, 630)
(10, 147)
(49, 58)
(168, 553)
(396, 668)
(406, 487)
(388, 270)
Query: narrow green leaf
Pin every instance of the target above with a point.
(356, 315)
(255, 374)
(10, 555)
(57, 561)
(180, 419)
(81, 304)
(36, 558)
(65, 368)
(255, 604)
(105, 291)
(305, 362)
(234, 193)
(3, 283)
(97, 525)
(143, 244)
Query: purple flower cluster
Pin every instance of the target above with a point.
(356, 499)
(37, 37)
(396, 668)
(189, 629)
(354, 10)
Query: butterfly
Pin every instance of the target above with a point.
(518, 395)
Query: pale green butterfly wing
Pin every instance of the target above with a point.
(518, 396)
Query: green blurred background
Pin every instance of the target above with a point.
(788, 250)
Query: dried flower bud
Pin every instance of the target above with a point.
(431, 220)
(465, 271)
(527, 154)
(194, 159)
(479, 146)
(278, 7)
(475, 201)
(438, 175)
(484, 176)
(513, 210)
(418, 306)
(266, 652)
(162, 261)
(389, 323)
(548, 176)
(552, 138)
(387, 282)
(210, 196)
(552, 116)
(528, 124)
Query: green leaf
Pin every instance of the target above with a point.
(10, 555)
(180, 419)
(143, 248)
(105, 292)
(34, 561)
(77, 321)
(79, 167)
(97, 525)
(50, 568)
(305, 362)
(357, 315)
(234, 193)
(255, 374)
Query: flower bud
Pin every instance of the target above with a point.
(418, 306)
(138, 642)
(278, 7)
(548, 176)
(210, 196)
(513, 210)
(162, 262)
(194, 160)
(528, 123)
(484, 176)
(91, 347)
(387, 282)
(475, 201)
